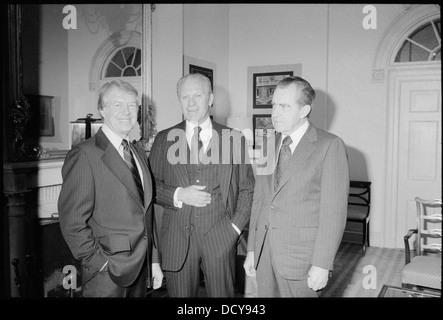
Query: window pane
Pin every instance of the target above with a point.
(129, 55)
(118, 59)
(129, 72)
(425, 36)
(113, 71)
(137, 61)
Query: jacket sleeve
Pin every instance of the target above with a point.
(246, 182)
(157, 160)
(75, 207)
(333, 205)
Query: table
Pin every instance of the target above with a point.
(396, 292)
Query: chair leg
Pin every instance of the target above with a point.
(367, 233)
(364, 239)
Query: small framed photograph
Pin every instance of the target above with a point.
(263, 128)
(263, 87)
(42, 115)
(204, 71)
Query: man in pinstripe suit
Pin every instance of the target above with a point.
(207, 202)
(299, 209)
(106, 218)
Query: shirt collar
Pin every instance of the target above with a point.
(297, 134)
(113, 137)
(207, 124)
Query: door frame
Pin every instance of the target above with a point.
(395, 76)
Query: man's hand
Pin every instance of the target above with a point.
(157, 276)
(317, 278)
(249, 264)
(193, 196)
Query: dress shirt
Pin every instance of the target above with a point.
(205, 136)
(295, 136)
(116, 141)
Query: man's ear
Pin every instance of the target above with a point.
(305, 111)
(211, 99)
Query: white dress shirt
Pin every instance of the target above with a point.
(205, 136)
(295, 136)
(116, 141)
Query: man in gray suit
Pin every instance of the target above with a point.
(299, 209)
(205, 183)
(105, 204)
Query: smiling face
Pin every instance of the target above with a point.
(195, 98)
(119, 111)
(287, 114)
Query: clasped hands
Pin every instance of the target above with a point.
(194, 196)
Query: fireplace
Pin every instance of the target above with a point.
(35, 251)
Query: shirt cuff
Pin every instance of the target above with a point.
(177, 203)
(236, 228)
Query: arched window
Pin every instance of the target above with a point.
(423, 44)
(118, 56)
(126, 62)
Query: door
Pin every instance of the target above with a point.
(417, 162)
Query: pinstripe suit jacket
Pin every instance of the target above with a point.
(236, 184)
(307, 212)
(101, 214)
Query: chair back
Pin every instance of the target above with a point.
(360, 196)
(428, 225)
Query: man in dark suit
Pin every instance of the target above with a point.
(299, 209)
(205, 183)
(105, 204)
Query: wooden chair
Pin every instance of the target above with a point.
(359, 205)
(424, 270)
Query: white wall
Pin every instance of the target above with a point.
(206, 38)
(167, 58)
(337, 55)
(44, 50)
(266, 35)
(357, 106)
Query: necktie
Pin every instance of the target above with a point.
(283, 158)
(130, 162)
(196, 145)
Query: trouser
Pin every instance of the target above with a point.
(215, 253)
(101, 285)
(271, 284)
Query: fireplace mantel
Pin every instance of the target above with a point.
(31, 190)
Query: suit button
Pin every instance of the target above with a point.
(145, 237)
(272, 207)
(197, 181)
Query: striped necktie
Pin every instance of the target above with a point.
(195, 150)
(283, 158)
(130, 162)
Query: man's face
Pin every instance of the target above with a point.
(120, 111)
(195, 100)
(287, 115)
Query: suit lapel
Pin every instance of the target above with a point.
(180, 170)
(112, 159)
(147, 179)
(301, 153)
(225, 170)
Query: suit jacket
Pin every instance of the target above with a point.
(307, 212)
(102, 216)
(236, 184)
